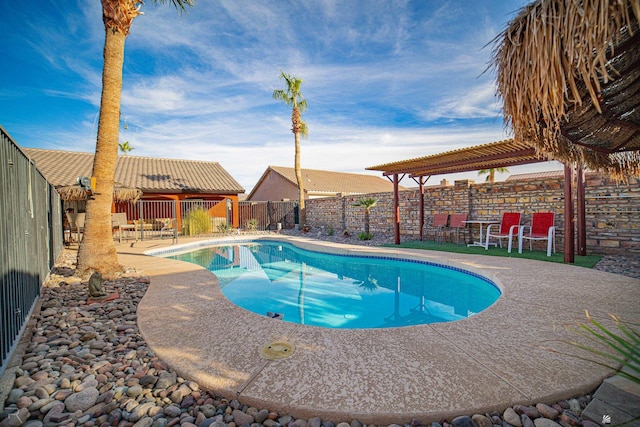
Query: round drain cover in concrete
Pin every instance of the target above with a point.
(277, 350)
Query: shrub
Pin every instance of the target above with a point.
(252, 224)
(365, 236)
(197, 222)
(223, 227)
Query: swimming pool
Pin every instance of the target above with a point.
(341, 291)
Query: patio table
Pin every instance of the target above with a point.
(481, 223)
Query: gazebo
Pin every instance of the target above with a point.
(569, 76)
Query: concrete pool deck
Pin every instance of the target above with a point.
(487, 362)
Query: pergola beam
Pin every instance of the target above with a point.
(457, 165)
(476, 166)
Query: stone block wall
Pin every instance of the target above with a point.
(612, 209)
(612, 215)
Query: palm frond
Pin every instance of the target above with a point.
(180, 5)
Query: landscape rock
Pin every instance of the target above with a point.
(241, 418)
(545, 422)
(547, 411)
(511, 417)
(482, 421)
(463, 421)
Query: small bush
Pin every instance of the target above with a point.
(197, 222)
(365, 236)
(223, 227)
(330, 231)
(252, 224)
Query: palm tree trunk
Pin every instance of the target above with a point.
(295, 128)
(301, 208)
(97, 251)
(366, 222)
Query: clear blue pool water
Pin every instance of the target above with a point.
(338, 291)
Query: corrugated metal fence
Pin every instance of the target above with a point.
(31, 238)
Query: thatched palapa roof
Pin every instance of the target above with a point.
(568, 72)
(120, 193)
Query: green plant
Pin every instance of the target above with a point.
(223, 227)
(624, 348)
(365, 236)
(197, 222)
(252, 224)
(367, 203)
(331, 231)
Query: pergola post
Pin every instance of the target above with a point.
(581, 215)
(421, 182)
(421, 187)
(569, 245)
(396, 208)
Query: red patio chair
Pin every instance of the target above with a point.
(437, 226)
(542, 228)
(507, 229)
(458, 225)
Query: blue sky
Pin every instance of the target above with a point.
(384, 80)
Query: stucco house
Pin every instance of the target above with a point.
(279, 183)
(159, 179)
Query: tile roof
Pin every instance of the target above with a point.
(149, 174)
(536, 175)
(319, 181)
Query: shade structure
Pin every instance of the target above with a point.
(509, 152)
(568, 72)
(120, 193)
(493, 155)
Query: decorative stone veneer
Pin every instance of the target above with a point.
(612, 209)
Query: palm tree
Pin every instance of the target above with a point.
(292, 96)
(367, 204)
(97, 250)
(125, 147)
(491, 173)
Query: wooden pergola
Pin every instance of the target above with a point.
(501, 154)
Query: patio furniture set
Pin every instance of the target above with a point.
(509, 227)
(121, 227)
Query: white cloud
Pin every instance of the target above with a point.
(385, 80)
